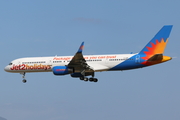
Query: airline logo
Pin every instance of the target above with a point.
(155, 48)
(60, 69)
(31, 67)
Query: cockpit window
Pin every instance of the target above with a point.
(10, 63)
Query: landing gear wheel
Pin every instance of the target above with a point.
(91, 79)
(81, 78)
(95, 79)
(24, 80)
(85, 79)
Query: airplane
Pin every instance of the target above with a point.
(80, 66)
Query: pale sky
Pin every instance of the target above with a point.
(34, 28)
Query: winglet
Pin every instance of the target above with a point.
(81, 48)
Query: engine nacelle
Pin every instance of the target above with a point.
(76, 75)
(80, 75)
(62, 70)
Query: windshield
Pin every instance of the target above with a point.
(10, 63)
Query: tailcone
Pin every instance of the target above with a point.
(166, 58)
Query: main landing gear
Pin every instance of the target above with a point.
(89, 79)
(23, 76)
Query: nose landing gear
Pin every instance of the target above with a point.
(23, 76)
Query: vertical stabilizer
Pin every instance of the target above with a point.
(155, 48)
(158, 43)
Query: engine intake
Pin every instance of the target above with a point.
(62, 70)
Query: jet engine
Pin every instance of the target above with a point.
(62, 70)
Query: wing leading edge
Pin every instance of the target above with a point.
(79, 63)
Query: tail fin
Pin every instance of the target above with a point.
(155, 48)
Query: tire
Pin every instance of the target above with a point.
(24, 80)
(85, 79)
(91, 79)
(95, 80)
(81, 78)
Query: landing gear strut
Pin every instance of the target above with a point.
(23, 76)
(91, 79)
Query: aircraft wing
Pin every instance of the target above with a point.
(79, 63)
(99, 67)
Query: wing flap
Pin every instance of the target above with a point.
(79, 63)
(98, 67)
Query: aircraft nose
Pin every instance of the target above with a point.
(7, 69)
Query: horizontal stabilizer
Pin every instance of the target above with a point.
(155, 57)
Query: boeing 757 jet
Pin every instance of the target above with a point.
(80, 66)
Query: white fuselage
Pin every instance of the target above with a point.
(45, 64)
